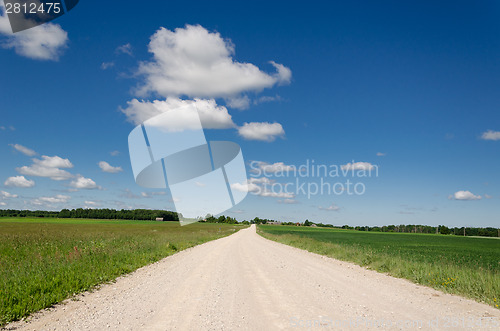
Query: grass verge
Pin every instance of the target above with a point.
(44, 261)
(466, 266)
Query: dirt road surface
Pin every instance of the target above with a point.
(245, 282)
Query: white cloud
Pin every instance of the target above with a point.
(83, 183)
(273, 194)
(25, 150)
(194, 62)
(148, 194)
(3, 203)
(124, 49)
(288, 201)
(491, 135)
(242, 102)
(7, 195)
(211, 115)
(53, 162)
(107, 65)
(114, 153)
(19, 181)
(358, 166)
(245, 187)
(381, 154)
(91, 204)
(263, 131)
(48, 166)
(266, 98)
(487, 196)
(260, 180)
(40, 171)
(332, 207)
(44, 42)
(464, 195)
(261, 187)
(51, 200)
(284, 75)
(106, 167)
(253, 184)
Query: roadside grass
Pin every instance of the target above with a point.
(44, 261)
(459, 265)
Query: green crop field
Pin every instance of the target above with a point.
(460, 265)
(44, 261)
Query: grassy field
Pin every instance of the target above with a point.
(44, 261)
(459, 265)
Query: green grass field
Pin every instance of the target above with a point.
(459, 265)
(44, 261)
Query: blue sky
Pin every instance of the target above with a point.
(409, 89)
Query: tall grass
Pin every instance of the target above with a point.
(458, 265)
(44, 261)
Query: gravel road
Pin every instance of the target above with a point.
(247, 282)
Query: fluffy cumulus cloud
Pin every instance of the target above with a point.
(194, 62)
(19, 181)
(7, 195)
(261, 131)
(48, 166)
(106, 167)
(253, 184)
(188, 113)
(358, 166)
(53, 162)
(262, 186)
(81, 182)
(464, 195)
(197, 64)
(44, 42)
(491, 135)
(25, 150)
(58, 199)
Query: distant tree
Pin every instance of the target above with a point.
(444, 229)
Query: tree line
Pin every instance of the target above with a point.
(442, 229)
(151, 215)
(111, 214)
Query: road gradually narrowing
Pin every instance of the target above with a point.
(246, 282)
